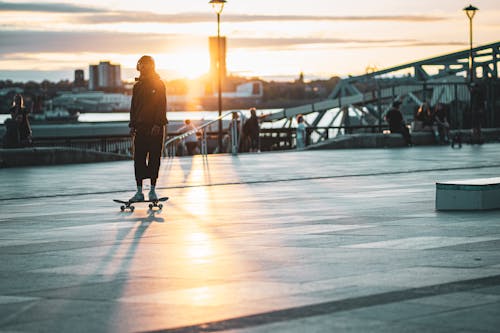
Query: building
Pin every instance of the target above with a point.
(252, 89)
(79, 78)
(104, 75)
(214, 56)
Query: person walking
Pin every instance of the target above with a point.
(148, 119)
(20, 114)
(191, 140)
(251, 129)
(397, 123)
(301, 132)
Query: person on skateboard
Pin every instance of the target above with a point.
(148, 119)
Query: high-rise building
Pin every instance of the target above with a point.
(93, 77)
(79, 78)
(104, 75)
(214, 56)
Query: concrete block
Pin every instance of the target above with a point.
(472, 194)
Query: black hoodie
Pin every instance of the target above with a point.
(149, 103)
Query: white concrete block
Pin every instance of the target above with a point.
(472, 194)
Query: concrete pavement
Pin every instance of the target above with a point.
(308, 241)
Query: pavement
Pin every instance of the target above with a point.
(302, 241)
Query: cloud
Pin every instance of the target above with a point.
(291, 42)
(402, 44)
(47, 7)
(28, 41)
(77, 42)
(147, 17)
(103, 15)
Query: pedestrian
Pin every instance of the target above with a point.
(148, 118)
(251, 129)
(442, 123)
(191, 140)
(301, 132)
(396, 122)
(20, 114)
(234, 133)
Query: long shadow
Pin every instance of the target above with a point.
(186, 169)
(99, 286)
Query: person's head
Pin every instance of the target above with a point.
(235, 115)
(253, 112)
(146, 65)
(300, 118)
(18, 100)
(396, 104)
(187, 121)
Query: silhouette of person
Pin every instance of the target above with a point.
(234, 133)
(191, 140)
(148, 118)
(19, 114)
(396, 122)
(442, 123)
(301, 132)
(251, 129)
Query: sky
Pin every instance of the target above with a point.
(273, 39)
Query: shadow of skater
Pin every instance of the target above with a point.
(96, 290)
(186, 167)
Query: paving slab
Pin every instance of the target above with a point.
(274, 242)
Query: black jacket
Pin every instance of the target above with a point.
(149, 103)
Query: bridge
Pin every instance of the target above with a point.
(360, 101)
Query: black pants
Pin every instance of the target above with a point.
(147, 155)
(404, 132)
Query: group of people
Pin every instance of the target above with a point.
(426, 119)
(433, 119)
(17, 128)
(244, 133)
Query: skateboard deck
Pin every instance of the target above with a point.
(130, 204)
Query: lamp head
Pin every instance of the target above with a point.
(217, 5)
(470, 11)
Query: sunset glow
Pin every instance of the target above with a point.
(264, 38)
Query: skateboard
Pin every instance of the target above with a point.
(152, 203)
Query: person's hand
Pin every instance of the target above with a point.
(155, 130)
(132, 131)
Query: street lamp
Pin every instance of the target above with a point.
(470, 11)
(218, 6)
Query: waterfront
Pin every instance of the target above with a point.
(96, 117)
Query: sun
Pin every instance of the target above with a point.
(185, 64)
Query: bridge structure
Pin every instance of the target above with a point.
(358, 103)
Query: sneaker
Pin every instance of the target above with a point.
(152, 195)
(138, 196)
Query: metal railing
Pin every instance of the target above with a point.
(170, 147)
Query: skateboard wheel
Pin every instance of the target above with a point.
(132, 208)
(122, 208)
(160, 206)
(150, 206)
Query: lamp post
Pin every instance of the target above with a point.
(218, 6)
(470, 11)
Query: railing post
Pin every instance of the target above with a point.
(204, 143)
(234, 137)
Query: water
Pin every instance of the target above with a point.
(173, 116)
